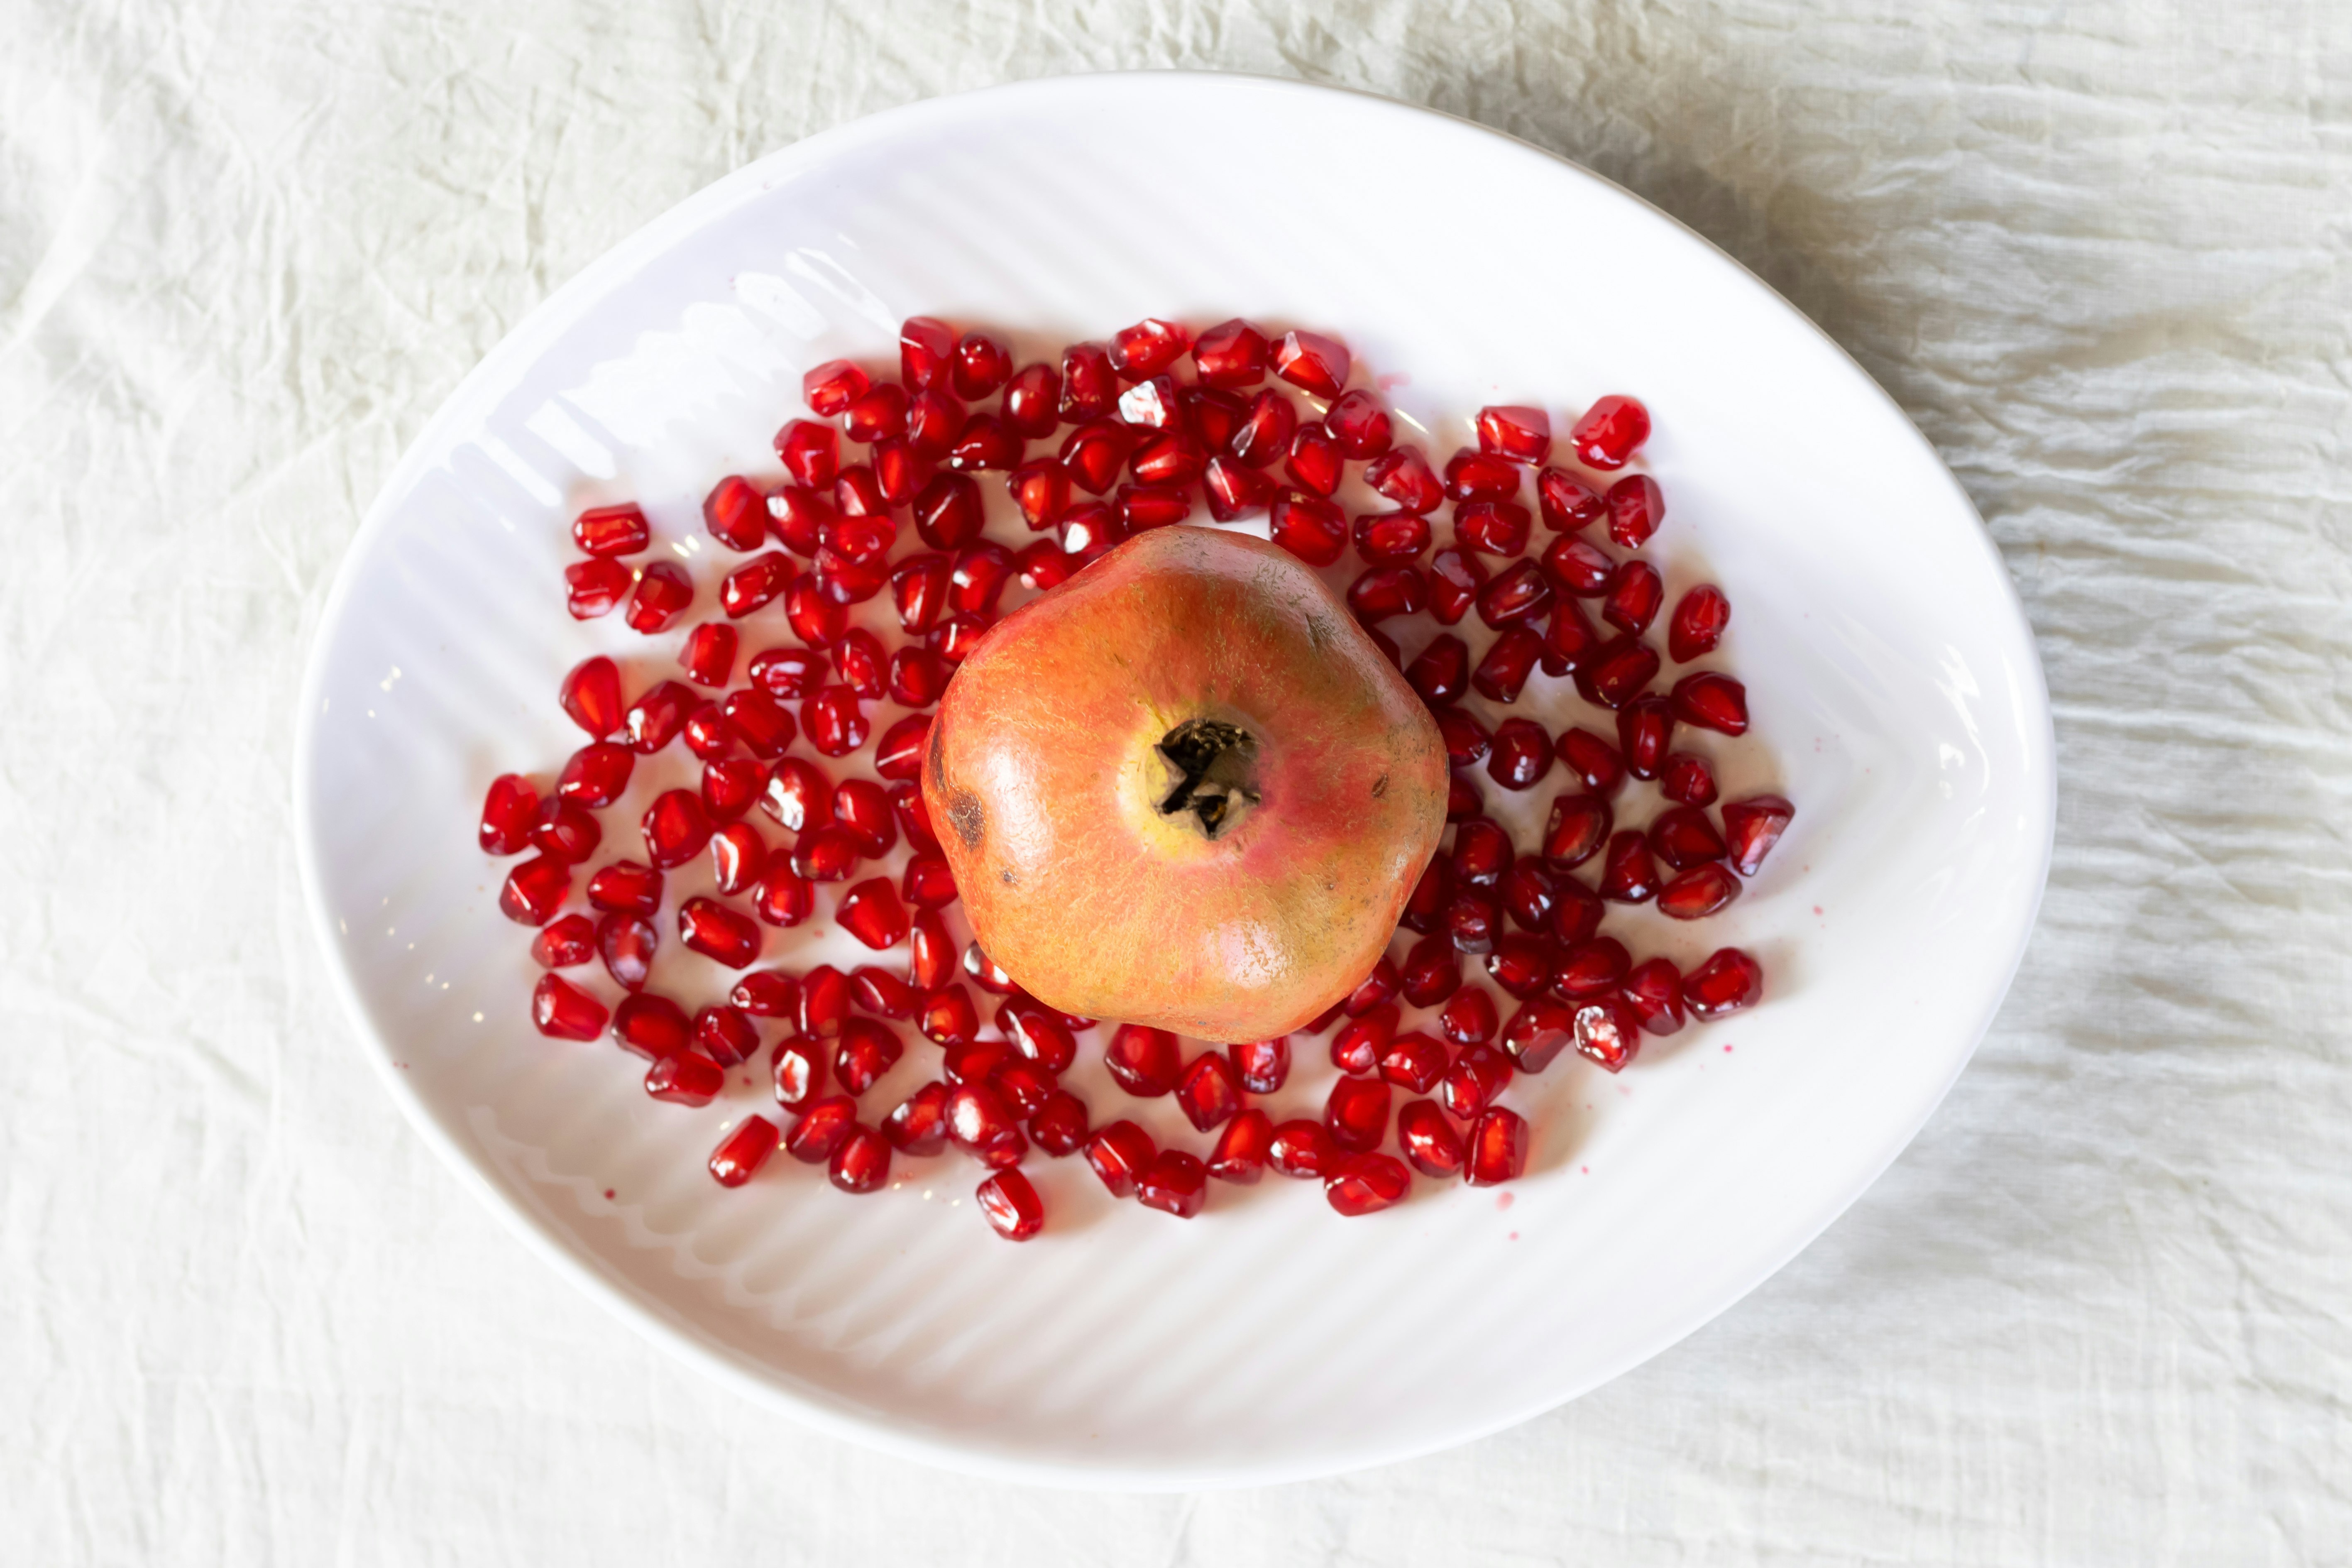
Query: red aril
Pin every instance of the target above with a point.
(1645, 727)
(1653, 990)
(1241, 1149)
(947, 513)
(725, 1035)
(688, 1078)
(1208, 1093)
(1567, 503)
(811, 453)
(1521, 966)
(1089, 386)
(593, 588)
(565, 943)
(1041, 490)
(1635, 598)
(832, 387)
(509, 812)
(1174, 1183)
(1456, 578)
(611, 531)
(1618, 671)
(707, 656)
(871, 912)
(1430, 972)
(1010, 1206)
(1570, 639)
(948, 1016)
(785, 673)
(984, 444)
(1236, 490)
(1392, 537)
(1119, 1154)
(1521, 754)
(1265, 430)
(1404, 476)
(1303, 1150)
(783, 897)
(675, 828)
(1591, 968)
(866, 1051)
(919, 1125)
(1314, 463)
(797, 516)
(1472, 923)
(1577, 827)
(591, 695)
(595, 774)
(1367, 1184)
(1231, 355)
(899, 755)
(834, 721)
(1441, 672)
(651, 1026)
(934, 420)
(1682, 838)
(1514, 431)
(1608, 1031)
(562, 1011)
(627, 944)
(1521, 594)
(1636, 508)
(1041, 566)
(1152, 404)
(1414, 1063)
(880, 415)
(1311, 360)
(981, 365)
(1148, 347)
(1430, 1143)
(861, 1162)
(827, 854)
(926, 351)
(1750, 828)
(1384, 591)
(1031, 401)
(718, 933)
(1697, 624)
(1090, 530)
(742, 1151)
(1698, 893)
(1357, 1113)
(657, 717)
(1579, 566)
(1686, 778)
(1627, 873)
(1152, 506)
(1469, 1017)
(1424, 909)
(1095, 453)
(1144, 1061)
(988, 975)
(930, 953)
(1260, 1066)
(1359, 426)
(1494, 527)
(1711, 701)
(534, 891)
(758, 721)
(754, 584)
(767, 994)
(815, 619)
(882, 994)
(1310, 528)
(1499, 1149)
(1058, 1127)
(799, 796)
(1470, 1084)
(1023, 1085)
(706, 732)
(1610, 432)
(1357, 1048)
(1474, 475)
(1600, 765)
(820, 1128)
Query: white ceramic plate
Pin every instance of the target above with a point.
(1895, 687)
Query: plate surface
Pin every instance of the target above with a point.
(1895, 692)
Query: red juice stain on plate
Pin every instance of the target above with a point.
(1515, 1236)
(608, 1195)
(1503, 1200)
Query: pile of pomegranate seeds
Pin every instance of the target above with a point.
(1097, 443)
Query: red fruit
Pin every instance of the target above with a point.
(1636, 507)
(1579, 567)
(607, 530)
(1384, 591)
(947, 513)
(1470, 1084)
(1357, 1048)
(1059, 1125)
(1312, 529)
(1698, 623)
(919, 1125)
(565, 943)
(1031, 401)
(562, 1011)
(1094, 453)
(1610, 432)
(927, 347)
(785, 673)
(1430, 972)
(899, 754)
(880, 416)
(1357, 1113)
(509, 812)
(1578, 914)
(914, 817)
(757, 720)
(754, 584)
(1567, 502)
(1152, 404)
(986, 973)
(826, 854)
(1457, 579)
(1521, 754)
(1424, 909)
(799, 796)
(1627, 873)
(1469, 1017)
(708, 654)
(595, 774)
(1260, 1066)
(867, 1050)
(1231, 354)
(1521, 966)
(1405, 477)
(1391, 538)
(861, 1162)
(1208, 1093)
(981, 365)
(1010, 1206)
(1653, 990)
(871, 912)
(1038, 1034)
(1041, 488)
(1593, 760)
(1482, 854)
(1531, 891)
(1495, 527)
(1499, 1149)
(1471, 922)
(1312, 361)
(535, 890)
(1152, 506)
(811, 453)
(1635, 598)
(1750, 828)
(1540, 1030)
(1090, 530)
(1144, 1061)
(1174, 1183)
(675, 828)
(1645, 727)
(1619, 671)
(1023, 1085)
(1514, 431)
(1578, 826)
(1686, 778)
(934, 420)
(1591, 968)
(1366, 1183)
(688, 1078)
(1359, 426)
(843, 581)
(725, 1035)
(1429, 1140)
(1711, 701)
(709, 735)
(862, 810)
(930, 953)
(1212, 417)
(1465, 739)
(835, 723)
(592, 588)
(797, 516)
(1237, 491)
(832, 387)
(1608, 1031)
(899, 473)
(1521, 593)
(1043, 565)
(627, 944)
(1241, 1151)
(742, 1152)
(882, 994)
(767, 994)
(1698, 893)
(1089, 386)
(814, 618)
(820, 1128)
(656, 719)
(1414, 1062)
(1265, 430)
(718, 933)
(1682, 838)
(1570, 640)
(1314, 463)
(590, 694)
(985, 443)
(1119, 1154)
(975, 1061)
(948, 1017)
(919, 590)
(1148, 347)
(1304, 1148)
(1375, 991)
(1441, 673)
(1474, 476)
(652, 1026)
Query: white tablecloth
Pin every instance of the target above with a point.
(2095, 1315)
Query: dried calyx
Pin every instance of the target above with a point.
(1213, 764)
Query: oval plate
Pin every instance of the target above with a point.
(1895, 693)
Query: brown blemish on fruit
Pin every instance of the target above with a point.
(967, 817)
(1380, 787)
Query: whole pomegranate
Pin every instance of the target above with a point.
(1184, 790)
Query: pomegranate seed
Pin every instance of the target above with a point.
(1750, 828)
(565, 943)
(824, 1002)
(742, 1152)
(1567, 503)
(1682, 838)
(835, 723)
(1152, 404)
(1591, 968)
(1514, 431)
(1266, 429)
(881, 993)
(1367, 1184)
(687, 1078)
(1441, 672)
(593, 588)
(1521, 754)
(1653, 990)
(1303, 1149)
(914, 819)
(1357, 1048)
(509, 812)
(1089, 386)
(1143, 1061)
(1043, 565)
(814, 618)
(1465, 739)
(954, 638)
(1235, 491)
(1147, 347)
(1479, 1074)
(1570, 640)
(919, 590)
(948, 1017)
(979, 579)
(832, 387)
(1539, 1031)
(919, 1125)
(1095, 453)
(1024, 1085)
(1521, 966)
(880, 415)
(1620, 670)
(811, 453)
(1171, 460)
(1357, 1113)
(758, 721)
(1499, 1149)
(1711, 701)
(1579, 567)
(1430, 1143)
(1212, 418)
(1208, 1093)
(1521, 593)
(708, 654)
(1311, 529)
(1119, 1154)
(934, 420)
(652, 1026)
(595, 774)
(975, 1061)
(1608, 1031)
(1636, 507)
(1152, 506)
(1627, 873)
(1463, 800)
(1359, 426)
(1311, 360)
(947, 513)
(535, 890)
(861, 1163)
(843, 581)
(1010, 1206)
(871, 912)
(707, 733)
(718, 933)
(867, 1050)
(862, 662)
(1456, 578)
(799, 796)
(899, 754)
(1427, 906)
(1698, 893)
(1041, 488)
(1241, 1151)
(1610, 432)
(1313, 462)
(590, 694)
(1469, 1017)
(1260, 1066)
(1376, 989)
(1482, 854)
(1414, 1062)
(826, 854)
(1634, 598)
(609, 530)
(1686, 778)
(1231, 354)
(562, 1011)
(1645, 727)
(627, 944)
(797, 516)
(675, 828)
(930, 953)
(985, 443)
(820, 1128)
(1503, 673)
(1698, 623)
(927, 347)
(754, 584)
(1059, 1125)
(981, 365)
(1579, 826)
(1495, 527)
(1430, 972)
(1038, 1034)
(1474, 475)
(785, 673)
(861, 527)
(1384, 591)
(767, 994)
(1392, 537)
(725, 1035)
(656, 718)
(1174, 1183)
(1593, 760)
(1404, 476)
(1031, 401)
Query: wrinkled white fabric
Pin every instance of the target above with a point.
(2097, 1313)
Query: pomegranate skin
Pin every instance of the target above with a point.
(1237, 916)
